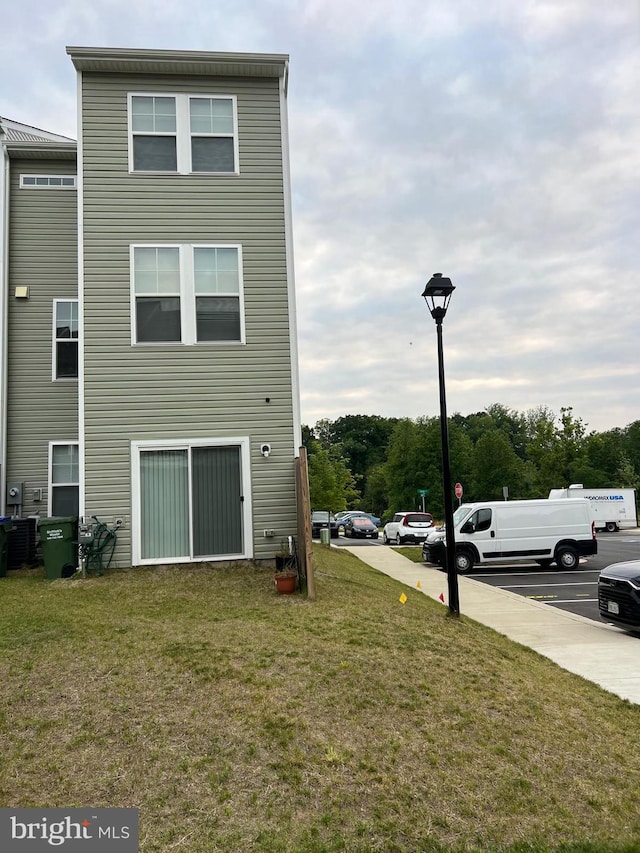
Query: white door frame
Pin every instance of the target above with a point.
(138, 447)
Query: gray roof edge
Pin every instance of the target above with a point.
(16, 131)
(99, 58)
(42, 150)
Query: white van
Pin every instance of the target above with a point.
(542, 531)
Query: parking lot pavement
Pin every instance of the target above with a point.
(594, 650)
(575, 591)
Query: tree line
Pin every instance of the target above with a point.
(382, 464)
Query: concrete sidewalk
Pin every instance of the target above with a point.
(596, 651)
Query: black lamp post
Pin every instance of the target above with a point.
(437, 295)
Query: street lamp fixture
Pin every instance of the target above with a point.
(437, 295)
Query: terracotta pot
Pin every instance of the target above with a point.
(285, 582)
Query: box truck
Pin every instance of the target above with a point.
(611, 509)
(542, 531)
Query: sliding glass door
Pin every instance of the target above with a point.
(217, 501)
(191, 502)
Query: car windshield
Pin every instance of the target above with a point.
(361, 522)
(460, 514)
(320, 515)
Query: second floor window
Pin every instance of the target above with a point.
(65, 343)
(187, 294)
(183, 134)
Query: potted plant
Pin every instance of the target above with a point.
(286, 575)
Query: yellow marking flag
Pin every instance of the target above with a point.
(402, 598)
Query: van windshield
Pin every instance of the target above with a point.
(460, 514)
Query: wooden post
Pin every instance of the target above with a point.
(305, 549)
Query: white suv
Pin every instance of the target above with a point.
(407, 527)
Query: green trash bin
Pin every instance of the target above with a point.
(6, 526)
(59, 547)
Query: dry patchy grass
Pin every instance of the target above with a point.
(236, 719)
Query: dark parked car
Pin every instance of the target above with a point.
(320, 519)
(341, 517)
(619, 595)
(360, 526)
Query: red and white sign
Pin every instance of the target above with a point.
(458, 490)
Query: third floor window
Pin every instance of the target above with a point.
(183, 134)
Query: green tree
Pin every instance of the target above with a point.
(375, 498)
(402, 469)
(632, 444)
(557, 450)
(383, 462)
(496, 465)
(603, 452)
(513, 424)
(323, 432)
(415, 462)
(331, 485)
(461, 454)
(626, 475)
(361, 440)
(429, 467)
(309, 440)
(473, 425)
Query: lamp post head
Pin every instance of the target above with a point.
(437, 295)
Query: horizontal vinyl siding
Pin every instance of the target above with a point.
(176, 391)
(43, 256)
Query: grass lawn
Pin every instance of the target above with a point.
(240, 720)
(413, 553)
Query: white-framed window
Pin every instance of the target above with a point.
(48, 182)
(184, 134)
(187, 294)
(64, 478)
(65, 339)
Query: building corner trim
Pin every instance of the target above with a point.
(291, 288)
(4, 318)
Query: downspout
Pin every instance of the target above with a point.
(80, 191)
(291, 289)
(4, 320)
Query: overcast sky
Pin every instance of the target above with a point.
(497, 142)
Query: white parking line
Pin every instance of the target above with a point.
(535, 585)
(573, 572)
(573, 601)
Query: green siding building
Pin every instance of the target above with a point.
(149, 370)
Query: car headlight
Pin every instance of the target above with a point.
(633, 582)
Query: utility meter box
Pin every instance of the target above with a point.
(85, 532)
(14, 493)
